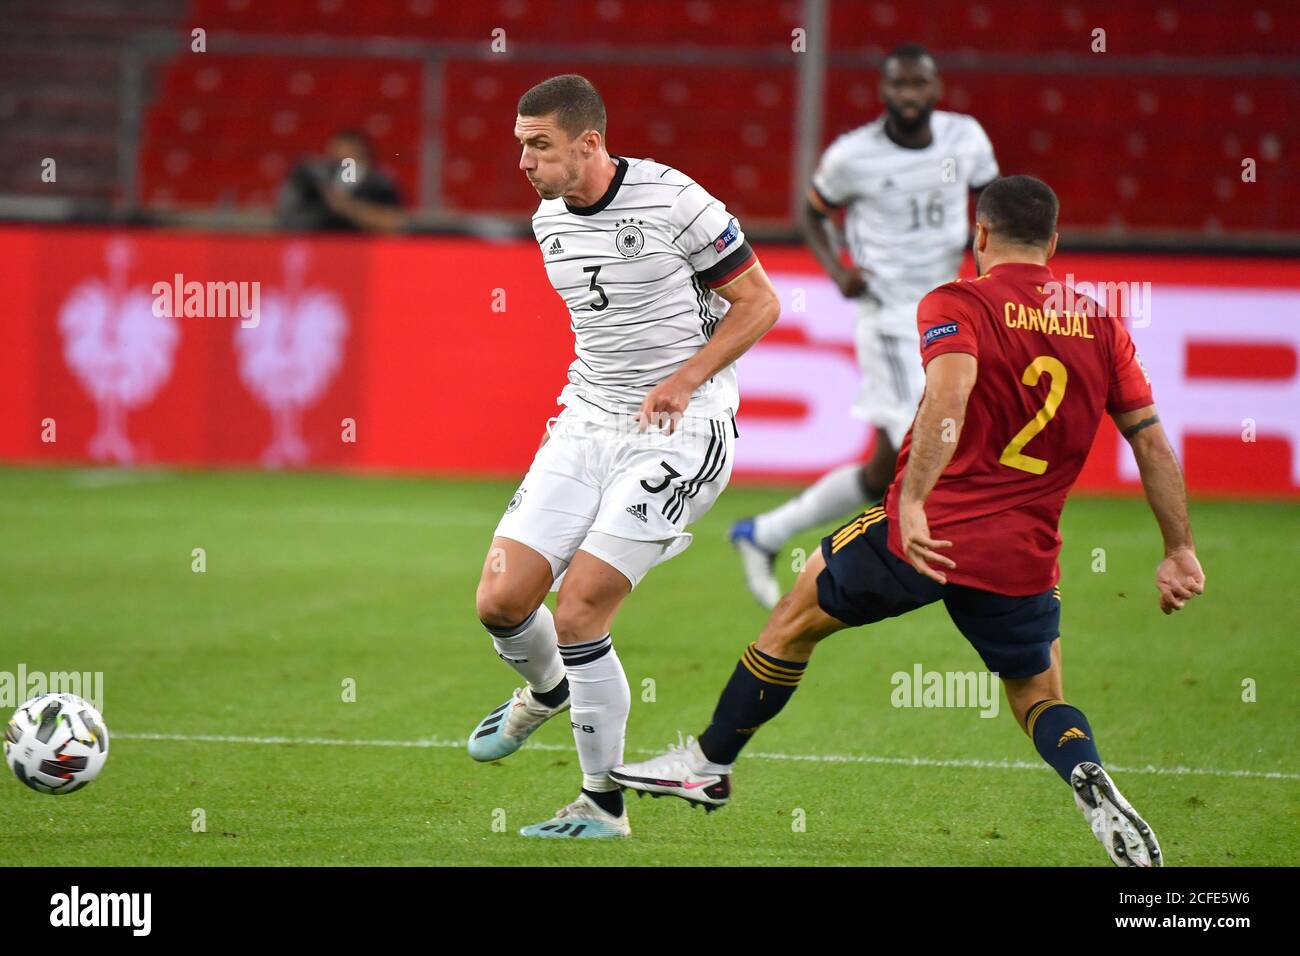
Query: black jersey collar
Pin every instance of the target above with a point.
(610, 193)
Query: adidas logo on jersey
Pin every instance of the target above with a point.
(554, 249)
(638, 512)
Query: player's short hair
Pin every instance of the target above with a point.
(1019, 209)
(574, 101)
(910, 51)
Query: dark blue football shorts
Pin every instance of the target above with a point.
(865, 582)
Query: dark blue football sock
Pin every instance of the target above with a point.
(758, 689)
(1062, 735)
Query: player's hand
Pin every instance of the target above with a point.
(918, 546)
(850, 282)
(1179, 579)
(665, 405)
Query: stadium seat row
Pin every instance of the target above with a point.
(1160, 150)
(1264, 27)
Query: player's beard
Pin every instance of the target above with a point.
(909, 125)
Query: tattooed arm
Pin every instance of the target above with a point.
(1179, 577)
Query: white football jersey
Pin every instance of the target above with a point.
(906, 221)
(637, 270)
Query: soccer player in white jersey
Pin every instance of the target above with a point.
(664, 294)
(904, 181)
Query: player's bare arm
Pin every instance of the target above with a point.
(754, 309)
(948, 382)
(817, 223)
(1179, 577)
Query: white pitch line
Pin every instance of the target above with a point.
(435, 743)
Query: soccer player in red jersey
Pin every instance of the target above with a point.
(1016, 387)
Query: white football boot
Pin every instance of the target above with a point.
(759, 564)
(1125, 835)
(582, 820)
(504, 730)
(677, 773)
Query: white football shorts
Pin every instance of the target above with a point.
(890, 359)
(624, 496)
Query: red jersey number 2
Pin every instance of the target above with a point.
(1013, 455)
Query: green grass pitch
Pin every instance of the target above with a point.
(312, 580)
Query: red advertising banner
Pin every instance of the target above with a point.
(445, 355)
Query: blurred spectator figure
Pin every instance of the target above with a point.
(341, 190)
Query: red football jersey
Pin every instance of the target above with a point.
(1046, 377)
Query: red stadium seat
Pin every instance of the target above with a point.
(254, 107)
(1148, 149)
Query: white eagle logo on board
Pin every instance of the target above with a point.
(289, 358)
(119, 350)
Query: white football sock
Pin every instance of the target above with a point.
(600, 702)
(531, 649)
(834, 495)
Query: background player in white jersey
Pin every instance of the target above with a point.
(647, 262)
(904, 181)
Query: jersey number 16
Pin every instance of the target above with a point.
(933, 212)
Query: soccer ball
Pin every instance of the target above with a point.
(56, 743)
